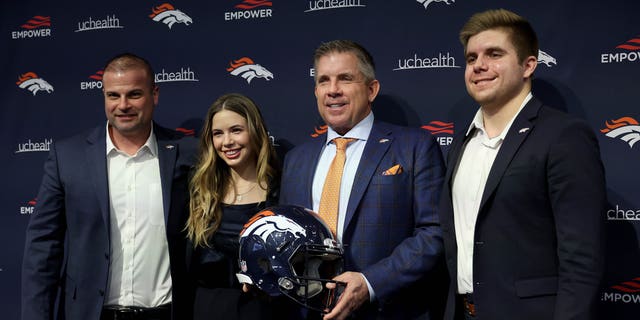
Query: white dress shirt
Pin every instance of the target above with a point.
(469, 180)
(139, 268)
(354, 151)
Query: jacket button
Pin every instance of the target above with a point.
(101, 292)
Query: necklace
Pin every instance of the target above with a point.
(240, 195)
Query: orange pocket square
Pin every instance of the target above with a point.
(397, 169)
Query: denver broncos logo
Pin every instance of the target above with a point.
(426, 3)
(545, 58)
(246, 68)
(319, 131)
(33, 83)
(261, 214)
(265, 222)
(169, 15)
(625, 128)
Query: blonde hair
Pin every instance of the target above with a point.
(212, 177)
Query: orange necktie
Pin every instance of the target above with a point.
(331, 191)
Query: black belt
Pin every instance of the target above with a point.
(468, 304)
(162, 312)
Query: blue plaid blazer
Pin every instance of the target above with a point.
(391, 232)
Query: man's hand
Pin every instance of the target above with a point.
(355, 294)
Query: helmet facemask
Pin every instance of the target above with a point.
(314, 266)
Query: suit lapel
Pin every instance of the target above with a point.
(520, 129)
(377, 145)
(167, 155)
(96, 155)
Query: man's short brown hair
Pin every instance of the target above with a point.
(520, 32)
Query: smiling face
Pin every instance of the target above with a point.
(232, 140)
(129, 100)
(344, 97)
(494, 76)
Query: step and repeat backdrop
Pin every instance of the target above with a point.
(52, 55)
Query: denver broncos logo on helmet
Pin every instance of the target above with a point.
(266, 222)
(625, 128)
(263, 213)
(169, 15)
(33, 83)
(246, 68)
(426, 3)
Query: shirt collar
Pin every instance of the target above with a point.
(360, 131)
(478, 122)
(151, 144)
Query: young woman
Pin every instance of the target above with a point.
(236, 176)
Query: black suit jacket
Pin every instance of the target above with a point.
(67, 246)
(538, 251)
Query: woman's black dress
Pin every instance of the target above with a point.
(219, 294)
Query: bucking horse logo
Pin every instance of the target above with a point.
(33, 83)
(169, 15)
(246, 68)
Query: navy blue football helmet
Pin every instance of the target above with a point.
(289, 250)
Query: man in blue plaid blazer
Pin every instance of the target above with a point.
(387, 220)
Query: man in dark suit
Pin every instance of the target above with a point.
(105, 240)
(386, 221)
(524, 192)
